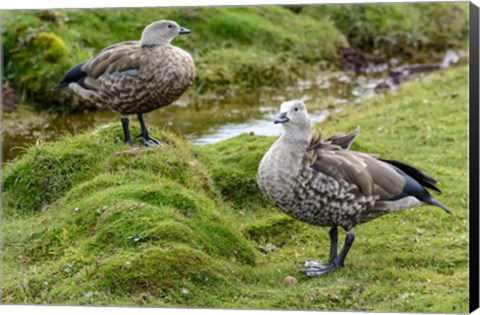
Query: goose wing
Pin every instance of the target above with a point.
(368, 175)
(122, 58)
(364, 173)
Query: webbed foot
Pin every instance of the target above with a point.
(146, 139)
(151, 142)
(317, 269)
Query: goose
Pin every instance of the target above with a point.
(321, 182)
(135, 77)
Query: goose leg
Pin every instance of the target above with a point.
(312, 264)
(146, 139)
(333, 243)
(316, 269)
(126, 132)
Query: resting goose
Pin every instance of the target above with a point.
(322, 183)
(135, 77)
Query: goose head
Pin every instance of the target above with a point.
(161, 32)
(294, 120)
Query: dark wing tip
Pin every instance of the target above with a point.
(75, 74)
(415, 173)
(59, 86)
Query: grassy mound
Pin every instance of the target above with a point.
(88, 220)
(110, 210)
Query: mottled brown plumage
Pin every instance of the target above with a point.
(136, 77)
(321, 182)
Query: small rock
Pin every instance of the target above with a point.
(185, 291)
(289, 280)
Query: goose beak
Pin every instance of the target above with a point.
(184, 30)
(282, 118)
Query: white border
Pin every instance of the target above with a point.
(74, 310)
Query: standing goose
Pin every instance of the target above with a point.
(322, 183)
(135, 77)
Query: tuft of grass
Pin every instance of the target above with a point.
(185, 225)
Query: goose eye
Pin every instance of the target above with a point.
(169, 25)
(296, 109)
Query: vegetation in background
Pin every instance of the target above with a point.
(415, 30)
(88, 220)
(234, 47)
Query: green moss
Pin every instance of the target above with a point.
(49, 171)
(108, 213)
(33, 56)
(185, 225)
(234, 165)
(274, 229)
(128, 274)
(55, 49)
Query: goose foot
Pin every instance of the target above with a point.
(146, 139)
(151, 142)
(317, 269)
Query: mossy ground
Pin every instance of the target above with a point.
(234, 47)
(88, 220)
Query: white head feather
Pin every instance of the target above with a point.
(295, 121)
